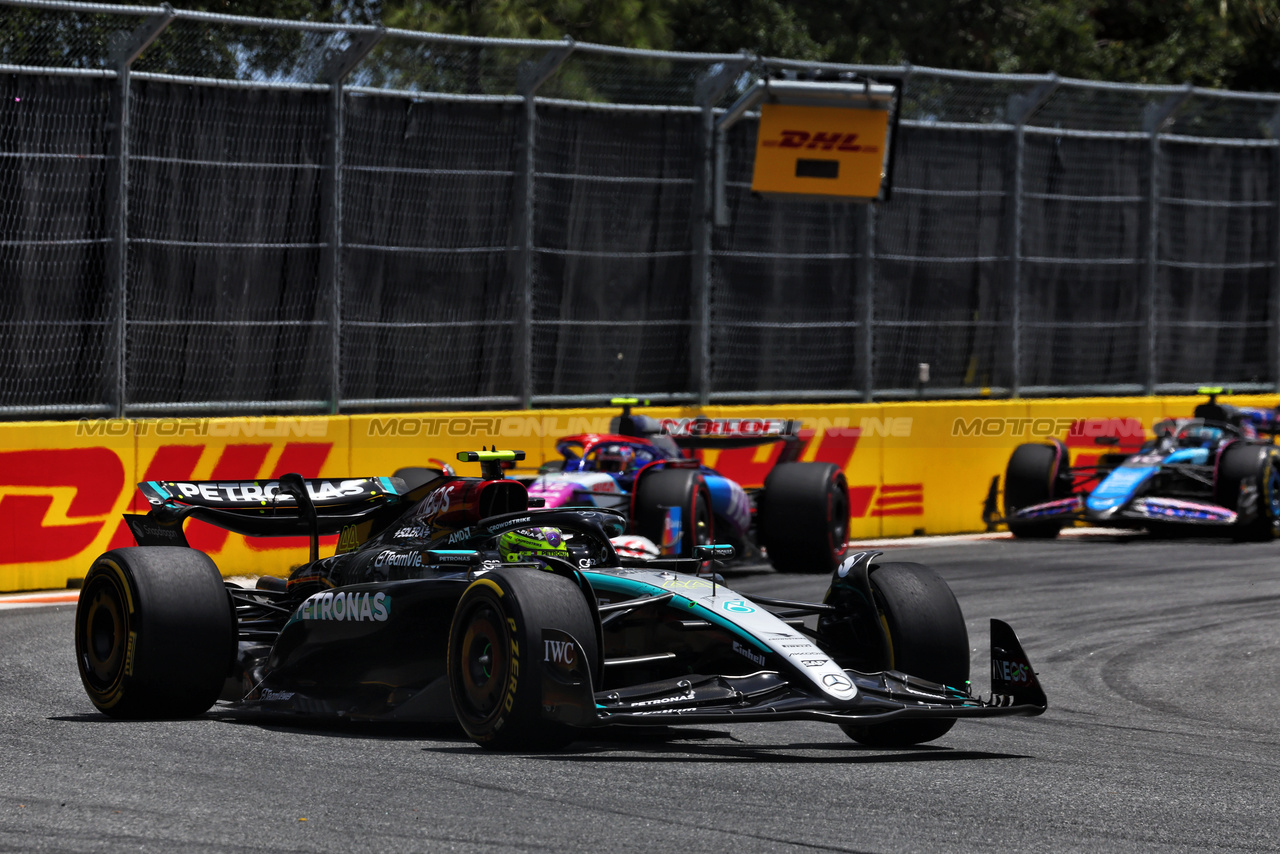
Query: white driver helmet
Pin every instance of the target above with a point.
(634, 545)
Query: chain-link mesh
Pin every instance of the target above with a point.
(64, 38)
(612, 206)
(626, 79)
(1084, 244)
(429, 308)
(404, 63)
(942, 293)
(798, 261)
(225, 238)
(55, 239)
(1218, 221)
(308, 216)
(228, 51)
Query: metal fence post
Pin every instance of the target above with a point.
(867, 307)
(125, 51)
(1019, 111)
(336, 69)
(529, 77)
(1154, 120)
(709, 88)
(1273, 297)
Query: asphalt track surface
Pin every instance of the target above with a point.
(1161, 661)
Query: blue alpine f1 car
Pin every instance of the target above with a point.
(1219, 470)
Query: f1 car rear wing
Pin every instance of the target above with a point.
(704, 432)
(289, 506)
(1265, 422)
(261, 494)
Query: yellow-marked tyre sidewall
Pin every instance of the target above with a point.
(516, 605)
(482, 614)
(106, 589)
(155, 633)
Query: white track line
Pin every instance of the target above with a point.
(952, 539)
(10, 601)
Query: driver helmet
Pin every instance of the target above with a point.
(614, 459)
(634, 545)
(529, 543)
(1202, 436)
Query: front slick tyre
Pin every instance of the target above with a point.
(1248, 482)
(495, 655)
(155, 633)
(927, 638)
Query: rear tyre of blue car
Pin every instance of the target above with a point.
(802, 517)
(155, 633)
(496, 652)
(1033, 476)
(1248, 482)
(927, 638)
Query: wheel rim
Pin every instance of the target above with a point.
(482, 676)
(102, 630)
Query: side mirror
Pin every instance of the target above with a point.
(1106, 440)
(719, 551)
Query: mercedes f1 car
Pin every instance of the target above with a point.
(431, 611)
(800, 517)
(1213, 471)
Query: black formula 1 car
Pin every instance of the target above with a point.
(421, 616)
(1218, 470)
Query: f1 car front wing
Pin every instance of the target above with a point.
(770, 696)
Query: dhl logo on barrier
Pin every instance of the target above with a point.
(57, 502)
(54, 503)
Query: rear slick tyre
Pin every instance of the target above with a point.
(155, 633)
(1032, 478)
(927, 638)
(803, 517)
(659, 490)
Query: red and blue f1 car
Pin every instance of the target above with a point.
(1218, 470)
(416, 618)
(800, 516)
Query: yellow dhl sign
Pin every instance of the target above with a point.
(820, 151)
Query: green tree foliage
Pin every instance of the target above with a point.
(630, 23)
(1229, 43)
(1224, 43)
